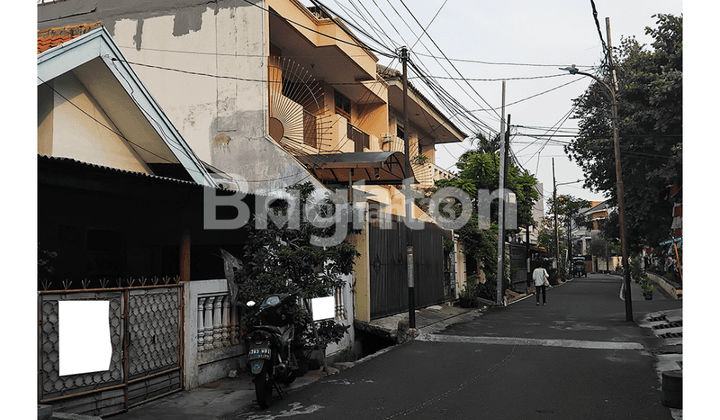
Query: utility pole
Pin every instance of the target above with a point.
(569, 239)
(505, 182)
(408, 202)
(618, 176)
(557, 236)
(527, 256)
(501, 203)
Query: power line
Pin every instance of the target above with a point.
(439, 93)
(531, 97)
(443, 54)
(378, 31)
(117, 133)
(448, 100)
(625, 147)
(500, 79)
(462, 60)
(597, 24)
(330, 13)
(363, 46)
(217, 76)
(428, 25)
(219, 54)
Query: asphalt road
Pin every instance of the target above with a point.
(576, 358)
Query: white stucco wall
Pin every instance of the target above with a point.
(211, 81)
(349, 338)
(204, 63)
(92, 140)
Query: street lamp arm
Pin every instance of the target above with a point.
(599, 80)
(574, 70)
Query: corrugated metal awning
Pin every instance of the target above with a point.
(374, 168)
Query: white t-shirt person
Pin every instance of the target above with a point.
(539, 275)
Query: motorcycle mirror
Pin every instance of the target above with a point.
(250, 304)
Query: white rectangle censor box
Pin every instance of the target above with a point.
(323, 308)
(84, 336)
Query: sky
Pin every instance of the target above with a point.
(540, 36)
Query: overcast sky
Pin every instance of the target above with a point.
(540, 35)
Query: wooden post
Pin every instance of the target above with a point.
(185, 256)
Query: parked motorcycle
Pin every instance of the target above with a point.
(273, 347)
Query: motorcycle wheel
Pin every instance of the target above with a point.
(263, 388)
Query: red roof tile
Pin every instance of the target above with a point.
(52, 37)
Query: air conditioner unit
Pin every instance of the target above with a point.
(387, 137)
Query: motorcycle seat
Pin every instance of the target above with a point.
(269, 328)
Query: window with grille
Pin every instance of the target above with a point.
(342, 105)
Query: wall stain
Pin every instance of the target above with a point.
(186, 21)
(221, 140)
(138, 34)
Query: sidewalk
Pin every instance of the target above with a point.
(666, 326)
(211, 401)
(427, 320)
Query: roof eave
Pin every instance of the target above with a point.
(98, 43)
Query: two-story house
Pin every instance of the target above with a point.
(275, 93)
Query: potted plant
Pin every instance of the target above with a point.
(648, 289)
(468, 295)
(420, 159)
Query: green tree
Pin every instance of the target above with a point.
(568, 209)
(281, 259)
(569, 213)
(478, 170)
(650, 126)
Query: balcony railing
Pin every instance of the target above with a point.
(309, 129)
(359, 137)
(427, 173)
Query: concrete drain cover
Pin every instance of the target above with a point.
(671, 335)
(674, 324)
(658, 318)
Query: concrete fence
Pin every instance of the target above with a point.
(673, 291)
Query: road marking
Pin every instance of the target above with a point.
(297, 409)
(517, 341)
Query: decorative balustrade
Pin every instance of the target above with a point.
(218, 323)
(440, 173)
(340, 313)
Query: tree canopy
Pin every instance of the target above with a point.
(283, 259)
(649, 99)
(568, 209)
(479, 170)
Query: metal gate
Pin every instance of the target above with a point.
(146, 333)
(388, 266)
(518, 262)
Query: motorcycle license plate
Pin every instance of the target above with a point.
(262, 353)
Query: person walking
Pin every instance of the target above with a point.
(540, 277)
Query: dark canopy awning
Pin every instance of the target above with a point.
(375, 168)
(538, 249)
